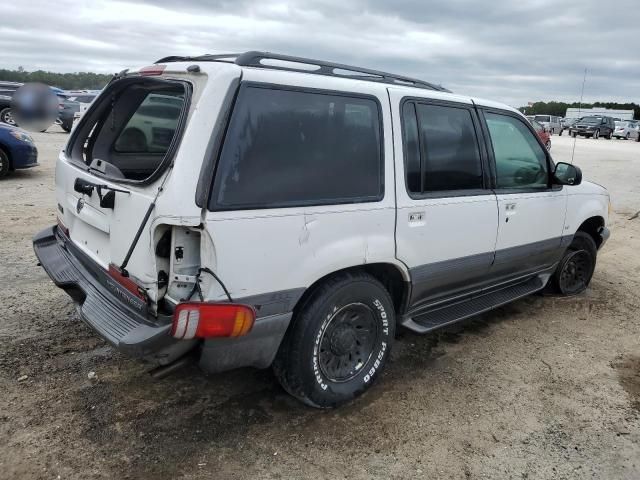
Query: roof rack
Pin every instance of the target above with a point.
(319, 67)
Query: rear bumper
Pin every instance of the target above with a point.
(131, 331)
(135, 333)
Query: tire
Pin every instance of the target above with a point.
(626, 137)
(6, 116)
(577, 265)
(574, 135)
(548, 144)
(66, 128)
(4, 164)
(596, 134)
(638, 138)
(560, 132)
(327, 358)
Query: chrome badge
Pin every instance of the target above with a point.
(80, 205)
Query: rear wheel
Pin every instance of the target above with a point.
(338, 342)
(575, 270)
(4, 164)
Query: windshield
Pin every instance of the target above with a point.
(542, 118)
(591, 120)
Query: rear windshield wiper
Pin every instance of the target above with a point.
(107, 200)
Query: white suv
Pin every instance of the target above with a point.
(259, 209)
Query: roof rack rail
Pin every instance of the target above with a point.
(287, 62)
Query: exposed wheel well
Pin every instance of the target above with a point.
(592, 226)
(389, 275)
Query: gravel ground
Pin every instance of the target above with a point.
(543, 388)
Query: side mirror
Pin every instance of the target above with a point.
(567, 174)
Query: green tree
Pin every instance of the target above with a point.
(66, 81)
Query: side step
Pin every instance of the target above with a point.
(441, 316)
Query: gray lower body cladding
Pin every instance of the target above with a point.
(437, 282)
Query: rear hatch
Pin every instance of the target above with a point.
(114, 165)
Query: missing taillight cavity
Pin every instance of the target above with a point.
(210, 320)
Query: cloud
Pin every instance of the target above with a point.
(513, 52)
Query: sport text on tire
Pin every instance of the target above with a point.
(4, 164)
(338, 342)
(576, 267)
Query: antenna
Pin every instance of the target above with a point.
(584, 80)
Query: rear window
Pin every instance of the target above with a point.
(542, 118)
(288, 148)
(130, 132)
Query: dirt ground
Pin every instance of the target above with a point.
(543, 388)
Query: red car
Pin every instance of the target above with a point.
(543, 133)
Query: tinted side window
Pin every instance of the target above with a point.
(520, 160)
(449, 149)
(289, 148)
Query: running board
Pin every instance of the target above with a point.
(442, 316)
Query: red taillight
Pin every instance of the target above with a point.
(206, 320)
(152, 70)
(127, 283)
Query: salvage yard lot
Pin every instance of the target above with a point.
(543, 388)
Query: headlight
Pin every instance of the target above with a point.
(23, 137)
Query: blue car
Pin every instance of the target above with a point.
(17, 150)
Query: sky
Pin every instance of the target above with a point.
(513, 51)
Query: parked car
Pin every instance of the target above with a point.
(550, 122)
(593, 126)
(295, 218)
(543, 134)
(625, 129)
(7, 89)
(17, 150)
(567, 123)
(70, 106)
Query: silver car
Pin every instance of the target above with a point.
(627, 130)
(550, 122)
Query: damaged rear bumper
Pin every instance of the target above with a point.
(131, 331)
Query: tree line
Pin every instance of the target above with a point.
(560, 108)
(66, 81)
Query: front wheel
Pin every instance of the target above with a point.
(596, 134)
(4, 164)
(338, 342)
(577, 265)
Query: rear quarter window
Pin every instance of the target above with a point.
(286, 148)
